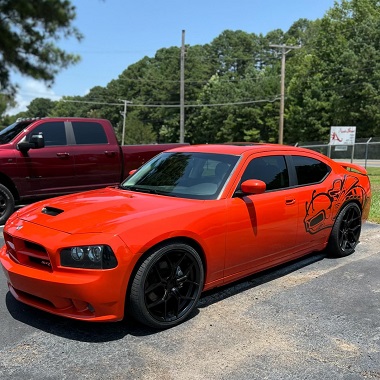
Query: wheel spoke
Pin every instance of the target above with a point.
(172, 267)
(158, 273)
(155, 303)
(187, 298)
(153, 286)
(165, 310)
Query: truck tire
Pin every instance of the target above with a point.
(7, 204)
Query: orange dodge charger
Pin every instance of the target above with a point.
(191, 219)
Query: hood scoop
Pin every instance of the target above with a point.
(52, 211)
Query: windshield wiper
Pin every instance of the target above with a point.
(138, 188)
(149, 191)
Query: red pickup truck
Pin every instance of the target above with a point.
(53, 156)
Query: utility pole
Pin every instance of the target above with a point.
(182, 92)
(124, 113)
(284, 50)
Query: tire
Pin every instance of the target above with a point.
(167, 286)
(346, 231)
(7, 204)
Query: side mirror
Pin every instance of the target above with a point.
(36, 142)
(253, 186)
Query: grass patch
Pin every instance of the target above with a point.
(374, 176)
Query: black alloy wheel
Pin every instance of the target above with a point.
(346, 231)
(167, 286)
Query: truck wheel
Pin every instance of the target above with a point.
(7, 204)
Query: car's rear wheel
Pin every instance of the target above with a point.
(346, 231)
(167, 286)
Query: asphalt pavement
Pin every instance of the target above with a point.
(315, 318)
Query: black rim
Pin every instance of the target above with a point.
(172, 285)
(349, 230)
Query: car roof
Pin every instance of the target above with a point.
(239, 148)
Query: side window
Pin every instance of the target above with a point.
(89, 133)
(271, 169)
(309, 170)
(54, 133)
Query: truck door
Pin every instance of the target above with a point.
(97, 161)
(49, 170)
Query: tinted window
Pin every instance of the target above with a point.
(309, 170)
(89, 133)
(272, 170)
(54, 133)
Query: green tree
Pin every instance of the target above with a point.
(336, 77)
(6, 101)
(28, 31)
(40, 107)
(137, 132)
(69, 106)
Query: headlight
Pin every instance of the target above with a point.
(89, 257)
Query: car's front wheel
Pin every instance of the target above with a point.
(346, 231)
(167, 286)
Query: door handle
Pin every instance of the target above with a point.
(110, 153)
(290, 201)
(63, 155)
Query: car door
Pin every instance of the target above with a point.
(261, 228)
(319, 201)
(48, 170)
(97, 162)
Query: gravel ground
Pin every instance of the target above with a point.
(316, 318)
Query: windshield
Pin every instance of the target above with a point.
(10, 132)
(185, 175)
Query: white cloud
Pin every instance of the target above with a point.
(29, 90)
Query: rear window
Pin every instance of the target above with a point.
(89, 133)
(310, 170)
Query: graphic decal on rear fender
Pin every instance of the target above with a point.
(323, 208)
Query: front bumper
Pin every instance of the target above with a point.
(84, 294)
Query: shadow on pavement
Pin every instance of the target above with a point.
(97, 332)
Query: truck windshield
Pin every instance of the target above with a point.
(192, 175)
(10, 132)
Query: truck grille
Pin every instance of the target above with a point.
(27, 253)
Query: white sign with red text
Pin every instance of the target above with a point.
(342, 135)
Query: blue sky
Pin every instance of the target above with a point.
(118, 33)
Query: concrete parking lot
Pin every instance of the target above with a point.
(316, 318)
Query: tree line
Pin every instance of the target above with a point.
(232, 85)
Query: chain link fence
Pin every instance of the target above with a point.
(365, 151)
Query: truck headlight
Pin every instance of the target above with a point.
(88, 257)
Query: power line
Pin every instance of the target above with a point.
(277, 97)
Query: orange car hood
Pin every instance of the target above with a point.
(106, 210)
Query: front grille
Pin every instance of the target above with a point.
(27, 253)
